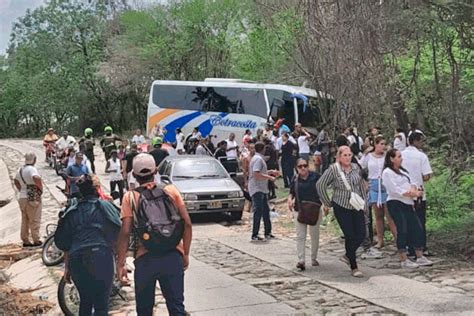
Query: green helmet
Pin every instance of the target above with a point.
(88, 131)
(108, 129)
(156, 141)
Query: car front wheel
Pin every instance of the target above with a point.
(236, 216)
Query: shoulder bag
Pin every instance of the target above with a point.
(356, 201)
(308, 211)
(33, 193)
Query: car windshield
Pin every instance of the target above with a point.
(198, 169)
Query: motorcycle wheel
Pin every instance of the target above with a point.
(68, 298)
(50, 254)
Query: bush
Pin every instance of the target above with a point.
(450, 200)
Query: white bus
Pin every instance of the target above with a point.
(221, 106)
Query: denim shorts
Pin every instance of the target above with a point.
(374, 192)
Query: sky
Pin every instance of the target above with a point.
(11, 10)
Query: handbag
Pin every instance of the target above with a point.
(33, 193)
(356, 201)
(308, 211)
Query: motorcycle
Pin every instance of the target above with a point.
(50, 254)
(50, 151)
(68, 295)
(69, 299)
(59, 160)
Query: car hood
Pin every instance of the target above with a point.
(206, 185)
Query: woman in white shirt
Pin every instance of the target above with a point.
(179, 141)
(113, 168)
(400, 206)
(374, 162)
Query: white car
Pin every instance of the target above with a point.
(204, 183)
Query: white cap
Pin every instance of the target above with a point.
(143, 165)
(30, 158)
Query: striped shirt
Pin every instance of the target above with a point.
(341, 196)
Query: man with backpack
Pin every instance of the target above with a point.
(162, 229)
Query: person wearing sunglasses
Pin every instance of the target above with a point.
(345, 179)
(374, 162)
(303, 188)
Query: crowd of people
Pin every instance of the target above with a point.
(356, 177)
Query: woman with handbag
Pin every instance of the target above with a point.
(305, 205)
(348, 201)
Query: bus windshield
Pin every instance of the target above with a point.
(211, 99)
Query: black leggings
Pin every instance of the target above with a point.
(354, 228)
(120, 185)
(288, 170)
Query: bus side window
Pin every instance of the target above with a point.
(286, 110)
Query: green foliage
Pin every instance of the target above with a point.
(450, 201)
(264, 53)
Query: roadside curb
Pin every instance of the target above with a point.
(6, 190)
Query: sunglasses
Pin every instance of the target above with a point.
(302, 166)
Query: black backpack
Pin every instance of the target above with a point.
(157, 222)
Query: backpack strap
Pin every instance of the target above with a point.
(133, 206)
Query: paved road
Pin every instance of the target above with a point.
(229, 275)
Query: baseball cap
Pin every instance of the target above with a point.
(143, 165)
(30, 158)
(79, 155)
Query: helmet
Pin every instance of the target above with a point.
(156, 141)
(88, 131)
(108, 129)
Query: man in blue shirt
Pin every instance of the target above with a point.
(74, 172)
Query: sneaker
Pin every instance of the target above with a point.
(257, 238)
(301, 266)
(424, 262)
(315, 263)
(428, 253)
(408, 264)
(357, 274)
(269, 236)
(345, 260)
(371, 253)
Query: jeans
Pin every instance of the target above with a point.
(288, 171)
(409, 229)
(261, 209)
(92, 270)
(301, 231)
(168, 270)
(354, 227)
(120, 184)
(420, 211)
